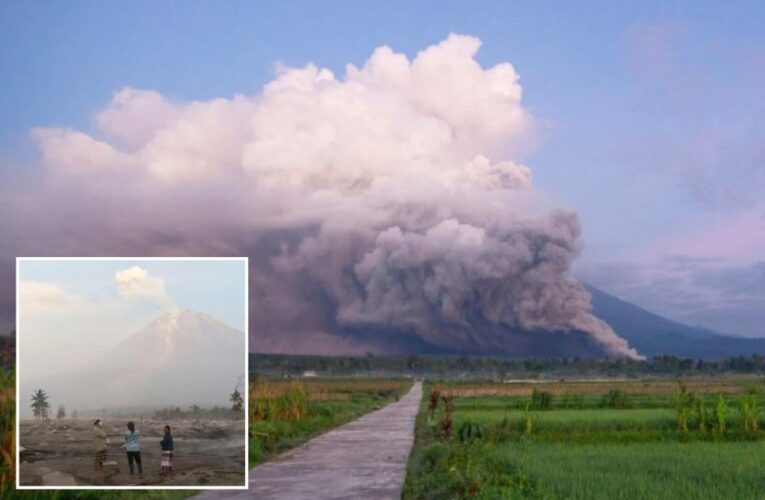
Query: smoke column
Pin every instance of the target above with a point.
(388, 201)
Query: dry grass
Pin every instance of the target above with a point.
(593, 387)
(323, 389)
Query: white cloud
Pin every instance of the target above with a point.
(42, 297)
(70, 151)
(390, 117)
(134, 116)
(136, 283)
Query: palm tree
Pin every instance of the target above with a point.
(40, 404)
(237, 401)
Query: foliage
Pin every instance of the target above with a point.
(434, 396)
(237, 402)
(40, 405)
(469, 432)
(582, 453)
(750, 412)
(7, 424)
(488, 368)
(527, 422)
(721, 412)
(446, 416)
(702, 415)
(465, 470)
(683, 401)
(615, 399)
(541, 400)
(284, 414)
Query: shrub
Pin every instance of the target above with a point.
(527, 424)
(541, 400)
(721, 411)
(701, 415)
(683, 401)
(615, 399)
(750, 413)
(465, 470)
(433, 405)
(469, 432)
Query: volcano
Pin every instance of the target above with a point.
(181, 358)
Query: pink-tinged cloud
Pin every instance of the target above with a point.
(388, 200)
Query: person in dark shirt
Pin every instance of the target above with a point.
(167, 452)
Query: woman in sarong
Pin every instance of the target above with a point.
(101, 450)
(167, 452)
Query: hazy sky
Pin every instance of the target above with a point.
(648, 115)
(72, 310)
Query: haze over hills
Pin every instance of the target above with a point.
(181, 358)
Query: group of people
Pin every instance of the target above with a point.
(132, 447)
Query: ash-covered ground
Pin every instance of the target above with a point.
(61, 453)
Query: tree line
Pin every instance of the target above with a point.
(438, 366)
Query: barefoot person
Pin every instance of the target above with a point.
(132, 448)
(167, 452)
(100, 439)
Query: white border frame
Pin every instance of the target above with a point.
(17, 432)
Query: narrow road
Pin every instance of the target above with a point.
(364, 459)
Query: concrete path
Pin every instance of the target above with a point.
(364, 459)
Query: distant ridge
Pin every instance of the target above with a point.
(654, 335)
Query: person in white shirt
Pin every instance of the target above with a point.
(132, 448)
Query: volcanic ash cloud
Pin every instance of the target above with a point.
(387, 200)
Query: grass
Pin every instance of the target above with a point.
(285, 414)
(614, 444)
(705, 470)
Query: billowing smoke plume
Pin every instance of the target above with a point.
(378, 208)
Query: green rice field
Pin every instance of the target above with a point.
(678, 444)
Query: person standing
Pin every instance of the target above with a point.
(132, 448)
(167, 452)
(101, 449)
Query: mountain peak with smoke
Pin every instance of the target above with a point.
(388, 203)
(181, 357)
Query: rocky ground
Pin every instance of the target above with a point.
(61, 452)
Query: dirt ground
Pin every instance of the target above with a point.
(61, 452)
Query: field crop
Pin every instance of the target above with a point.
(648, 439)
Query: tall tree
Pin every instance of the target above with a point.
(40, 405)
(61, 412)
(237, 401)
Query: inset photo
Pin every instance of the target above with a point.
(131, 372)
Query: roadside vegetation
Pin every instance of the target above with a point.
(286, 413)
(701, 439)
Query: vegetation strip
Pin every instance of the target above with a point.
(687, 444)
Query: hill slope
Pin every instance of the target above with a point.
(654, 335)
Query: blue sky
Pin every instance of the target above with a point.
(214, 287)
(649, 115)
(87, 298)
